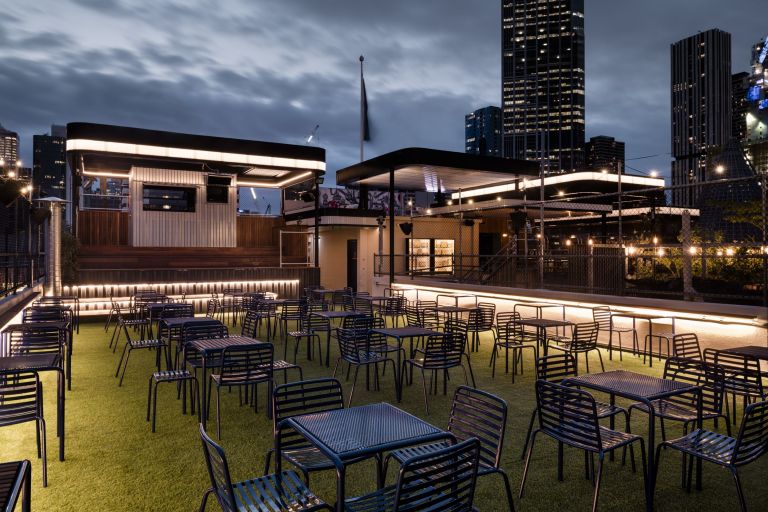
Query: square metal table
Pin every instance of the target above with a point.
(755, 351)
(541, 325)
(452, 311)
(208, 348)
(15, 480)
(62, 326)
(343, 435)
(644, 389)
(641, 316)
(400, 333)
(42, 363)
(455, 297)
(330, 316)
(539, 307)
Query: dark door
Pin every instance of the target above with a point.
(352, 264)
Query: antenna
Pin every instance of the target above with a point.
(313, 135)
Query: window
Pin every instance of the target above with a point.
(168, 199)
(217, 189)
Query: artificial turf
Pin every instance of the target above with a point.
(114, 462)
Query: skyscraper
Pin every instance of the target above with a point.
(701, 107)
(605, 153)
(9, 146)
(543, 82)
(739, 105)
(757, 108)
(49, 164)
(482, 132)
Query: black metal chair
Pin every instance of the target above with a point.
(440, 354)
(310, 326)
(123, 323)
(141, 344)
(602, 316)
(21, 401)
(295, 399)
(687, 346)
(480, 320)
(293, 311)
(249, 327)
(556, 368)
(269, 493)
(266, 312)
(474, 414)
(354, 349)
(200, 331)
(461, 328)
(214, 309)
(442, 480)
(394, 308)
(508, 336)
(743, 377)
(178, 376)
(243, 366)
(569, 416)
(731, 453)
(583, 341)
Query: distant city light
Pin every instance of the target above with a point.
(654, 174)
(720, 169)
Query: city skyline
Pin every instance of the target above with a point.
(128, 63)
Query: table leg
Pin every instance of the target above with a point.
(398, 371)
(650, 475)
(204, 397)
(612, 423)
(699, 425)
(60, 413)
(26, 500)
(340, 491)
(650, 339)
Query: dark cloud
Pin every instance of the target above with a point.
(273, 69)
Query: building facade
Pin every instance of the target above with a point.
(756, 138)
(49, 163)
(543, 82)
(482, 132)
(605, 153)
(9, 146)
(739, 105)
(701, 108)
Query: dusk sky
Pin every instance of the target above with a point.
(273, 69)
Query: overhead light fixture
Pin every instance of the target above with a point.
(406, 228)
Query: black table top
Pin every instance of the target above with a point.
(755, 351)
(339, 314)
(30, 362)
(216, 344)
(632, 385)
(539, 305)
(453, 309)
(42, 324)
(366, 429)
(183, 320)
(639, 316)
(407, 332)
(543, 322)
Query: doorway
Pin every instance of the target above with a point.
(352, 264)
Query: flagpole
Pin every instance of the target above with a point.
(362, 107)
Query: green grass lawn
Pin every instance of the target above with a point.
(114, 462)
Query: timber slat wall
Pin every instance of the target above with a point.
(255, 231)
(102, 228)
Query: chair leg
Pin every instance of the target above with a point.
(527, 463)
(424, 386)
(507, 490)
(598, 479)
(149, 396)
(601, 359)
(41, 427)
(154, 407)
(528, 434)
(354, 382)
(739, 490)
(205, 499)
(218, 412)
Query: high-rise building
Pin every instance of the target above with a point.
(757, 108)
(49, 163)
(739, 105)
(605, 153)
(701, 107)
(482, 132)
(9, 146)
(543, 82)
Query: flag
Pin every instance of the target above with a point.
(366, 129)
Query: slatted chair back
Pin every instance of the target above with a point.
(412, 316)
(478, 414)
(584, 336)
(709, 377)
(293, 310)
(218, 471)
(213, 308)
(361, 322)
(443, 480)
(601, 315)
(752, 441)
(686, 345)
(377, 341)
(556, 367)
(444, 351)
(303, 397)
(394, 305)
(246, 364)
(20, 397)
(45, 314)
(316, 324)
(364, 305)
(351, 343)
(249, 325)
(487, 312)
(177, 310)
(427, 312)
(349, 303)
(39, 339)
(362, 294)
(507, 328)
(337, 298)
(568, 415)
(316, 305)
(742, 373)
(203, 331)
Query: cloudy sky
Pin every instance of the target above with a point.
(273, 69)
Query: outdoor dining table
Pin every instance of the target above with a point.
(64, 300)
(644, 389)
(452, 312)
(42, 363)
(541, 325)
(330, 316)
(208, 348)
(455, 297)
(15, 481)
(172, 329)
(539, 307)
(641, 316)
(400, 333)
(66, 327)
(344, 435)
(754, 351)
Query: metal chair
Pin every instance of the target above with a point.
(687, 346)
(480, 320)
(249, 327)
(509, 335)
(443, 480)
(122, 325)
(583, 341)
(474, 414)
(355, 350)
(750, 444)
(21, 401)
(569, 416)
(182, 376)
(394, 308)
(601, 315)
(243, 366)
(743, 378)
(293, 311)
(141, 344)
(309, 328)
(269, 493)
